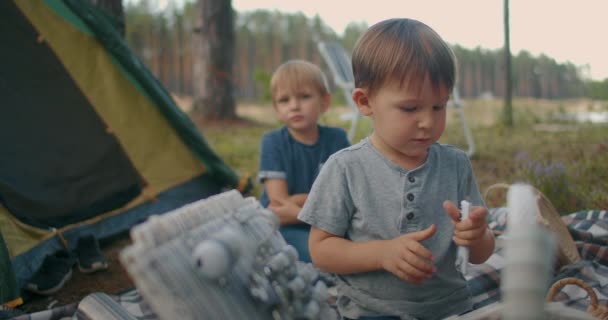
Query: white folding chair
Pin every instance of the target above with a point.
(339, 63)
(459, 105)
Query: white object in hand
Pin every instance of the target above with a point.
(462, 260)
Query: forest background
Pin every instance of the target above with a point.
(542, 148)
(265, 39)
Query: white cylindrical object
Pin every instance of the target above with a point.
(522, 206)
(462, 260)
(529, 256)
(528, 270)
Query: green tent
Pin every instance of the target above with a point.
(92, 142)
(9, 293)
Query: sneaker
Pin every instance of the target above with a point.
(90, 258)
(55, 271)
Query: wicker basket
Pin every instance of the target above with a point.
(594, 309)
(548, 216)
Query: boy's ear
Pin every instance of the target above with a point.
(361, 98)
(325, 102)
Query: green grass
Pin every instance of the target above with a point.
(567, 161)
(238, 146)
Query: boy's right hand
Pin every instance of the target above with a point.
(406, 258)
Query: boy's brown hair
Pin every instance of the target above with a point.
(402, 50)
(293, 74)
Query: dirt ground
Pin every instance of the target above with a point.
(112, 281)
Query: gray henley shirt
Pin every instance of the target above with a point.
(361, 195)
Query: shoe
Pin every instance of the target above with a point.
(55, 271)
(90, 258)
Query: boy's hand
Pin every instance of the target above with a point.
(285, 210)
(468, 231)
(406, 258)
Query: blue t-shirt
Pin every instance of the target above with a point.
(282, 157)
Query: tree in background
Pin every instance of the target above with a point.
(351, 34)
(265, 39)
(214, 49)
(508, 108)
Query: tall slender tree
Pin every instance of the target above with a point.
(508, 107)
(214, 48)
(179, 48)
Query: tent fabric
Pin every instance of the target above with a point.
(82, 184)
(111, 40)
(9, 292)
(48, 127)
(93, 142)
(25, 264)
(130, 115)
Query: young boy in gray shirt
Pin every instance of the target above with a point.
(383, 211)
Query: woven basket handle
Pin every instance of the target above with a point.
(499, 185)
(575, 281)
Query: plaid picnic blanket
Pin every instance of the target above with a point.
(99, 306)
(589, 229)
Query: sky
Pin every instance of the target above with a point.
(565, 30)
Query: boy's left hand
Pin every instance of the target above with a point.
(468, 231)
(286, 211)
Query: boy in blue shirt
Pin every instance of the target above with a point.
(382, 211)
(291, 156)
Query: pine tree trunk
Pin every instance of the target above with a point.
(508, 107)
(214, 45)
(179, 29)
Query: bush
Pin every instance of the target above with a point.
(550, 177)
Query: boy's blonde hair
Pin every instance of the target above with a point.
(294, 74)
(404, 50)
